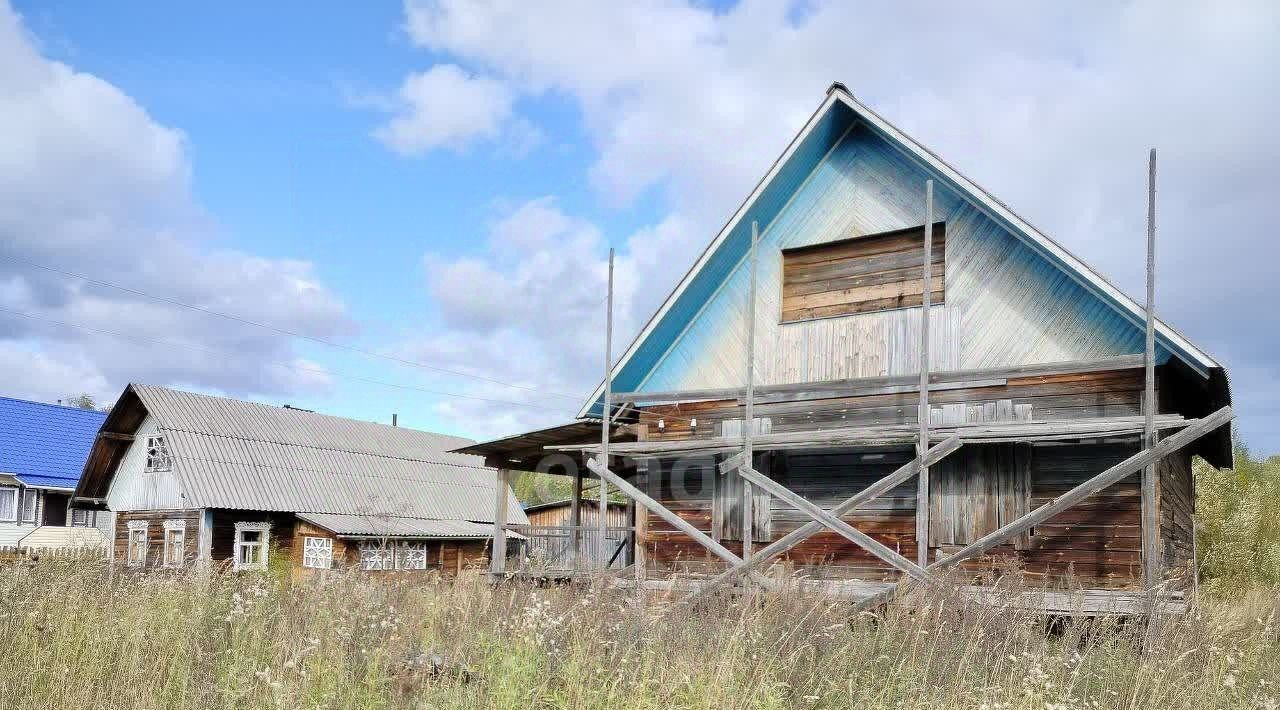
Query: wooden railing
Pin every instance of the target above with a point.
(551, 548)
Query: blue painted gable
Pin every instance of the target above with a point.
(46, 444)
(1013, 297)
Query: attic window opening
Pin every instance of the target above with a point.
(158, 458)
(867, 274)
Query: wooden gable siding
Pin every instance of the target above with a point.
(861, 275)
(1005, 303)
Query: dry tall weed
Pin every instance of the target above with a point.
(77, 637)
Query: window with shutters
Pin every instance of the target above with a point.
(136, 549)
(175, 538)
(317, 552)
(877, 272)
(251, 545)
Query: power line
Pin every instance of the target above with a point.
(292, 366)
(285, 331)
(276, 363)
(614, 409)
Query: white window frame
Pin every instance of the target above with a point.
(138, 532)
(33, 496)
(263, 545)
(175, 532)
(159, 459)
(379, 557)
(88, 519)
(317, 552)
(6, 491)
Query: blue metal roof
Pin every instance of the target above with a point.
(46, 444)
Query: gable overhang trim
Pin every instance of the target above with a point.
(1043, 244)
(1076, 269)
(707, 253)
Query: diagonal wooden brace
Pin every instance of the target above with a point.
(1071, 498)
(795, 537)
(676, 521)
(850, 533)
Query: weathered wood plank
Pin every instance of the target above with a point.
(1127, 467)
(852, 387)
(671, 518)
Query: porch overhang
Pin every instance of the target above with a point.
(531, 451)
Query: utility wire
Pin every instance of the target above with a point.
(281, 364)
(276, 363)
(614, 409)
(286, 331)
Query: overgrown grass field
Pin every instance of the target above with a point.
(75, 637)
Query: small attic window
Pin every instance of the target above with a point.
(877, 272)
(158, 458)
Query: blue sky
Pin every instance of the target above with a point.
(440, 181)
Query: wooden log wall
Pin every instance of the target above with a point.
(1049, 397)
(1096, 544)
(1177, 504)
(155, 534)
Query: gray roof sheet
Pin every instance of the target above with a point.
(374, 526)
(244, 455)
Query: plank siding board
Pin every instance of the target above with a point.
(861, 275)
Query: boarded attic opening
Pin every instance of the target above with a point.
(877, 272)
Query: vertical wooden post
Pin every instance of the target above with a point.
(1150, 492)
(498, 556)
(601, 512)
(641, 523)
(922, 480)
(749, 424)
(575, 517)
(204, 541)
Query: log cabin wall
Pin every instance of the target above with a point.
(974, 491)
(155, 520)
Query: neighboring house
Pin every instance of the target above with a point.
(42, 451)
(1035, 370)
(194, 479)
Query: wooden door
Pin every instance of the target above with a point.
(977, 490)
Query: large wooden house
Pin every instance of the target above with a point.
(1033, 458)
(195, 479)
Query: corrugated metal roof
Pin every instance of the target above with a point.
(248, 456)
(45, 444)
(374, 526)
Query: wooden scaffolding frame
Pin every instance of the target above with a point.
(933, 443)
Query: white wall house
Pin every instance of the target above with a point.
(42, 453)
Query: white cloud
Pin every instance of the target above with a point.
(445, 106)
(1052, 109)
(91, 184)
(530, 309)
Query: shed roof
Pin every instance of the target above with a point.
(243, 455)
(45, 445)
(396, 527)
